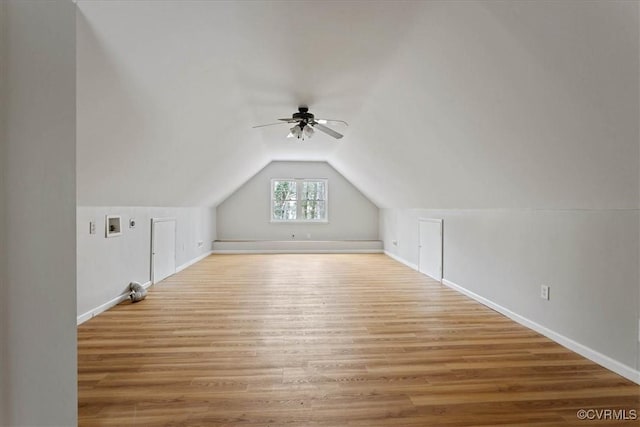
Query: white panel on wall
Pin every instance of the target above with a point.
(430, 247)
(163, 248)
(246, 214)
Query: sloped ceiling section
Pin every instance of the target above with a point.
(451, 104)
(504, 105)
(168, 91)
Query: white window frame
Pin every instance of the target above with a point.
(299, 182)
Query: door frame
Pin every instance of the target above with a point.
(441, 222)
(153, 228)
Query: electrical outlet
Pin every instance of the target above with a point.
(293, 236)
(92, 227)
(200, 243)
(545, 292)
(394, 242)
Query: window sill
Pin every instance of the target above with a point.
(299, 221)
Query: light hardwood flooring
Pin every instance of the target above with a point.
(327, 340)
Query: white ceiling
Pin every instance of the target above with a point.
(450, 104)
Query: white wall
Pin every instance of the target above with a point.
(589, 258)
(245, 215)
(39, 247)
(106, 266)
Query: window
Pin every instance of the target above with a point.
(303, 200)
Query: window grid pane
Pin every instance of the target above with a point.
(283, 211)
(284, 190)
(313, 190)
(313, 210)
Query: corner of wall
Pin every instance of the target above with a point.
(213, 212)
(3, 297)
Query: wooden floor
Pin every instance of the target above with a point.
(327, 340)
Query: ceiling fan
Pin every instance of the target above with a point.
(305, 123)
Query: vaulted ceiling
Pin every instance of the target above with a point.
(450, 104)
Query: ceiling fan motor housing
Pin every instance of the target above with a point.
(303, 115)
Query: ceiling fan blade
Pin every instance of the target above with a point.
(290, 120)
(327, 130)
(268, 124)
(323, 121)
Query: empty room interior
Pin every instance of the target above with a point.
(354, 213)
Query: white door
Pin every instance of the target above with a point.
(163, 248)
(431, 248)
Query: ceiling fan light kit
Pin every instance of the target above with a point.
(307, 131)
(300, 132)
(305, 125)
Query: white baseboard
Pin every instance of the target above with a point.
(106, 306)
(193, 261)
(296, 251)
(402, 261)
(591, 354)
(297, 246)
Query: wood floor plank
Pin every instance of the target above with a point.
(327, 340)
